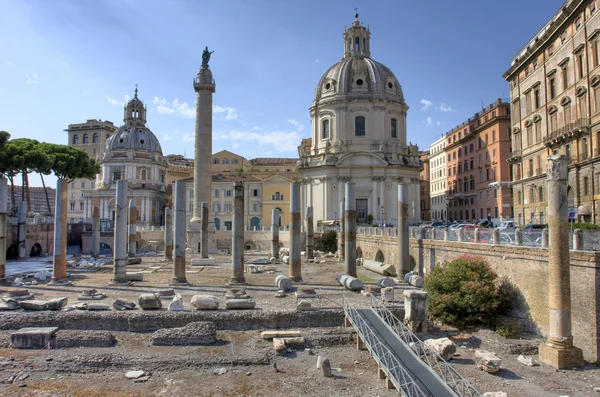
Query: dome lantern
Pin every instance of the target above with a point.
(357, 40)
(135, 111)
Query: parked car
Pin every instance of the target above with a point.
(506, 225)
(485, 223)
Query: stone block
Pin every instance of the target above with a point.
(123, 304)
(306, 293)
(415, 305)
(132, 276)
(236, 293)
(9, 304)
(487, 361)
(370, 290)
(283, 283)
(149, 302)
(240, 304)
(495, 394)
(93, 306)
(280, 334)
(388, 294)
(349, 282)
(202, 262)
(416, 280)
(205, 302)
(303, 305)
(196, 333)
(279, 346)
(565, 358)
(134, 261)
(385, 282)
(442, 346)
(177, 304)
(57, 304)
(65, 339)
(32, 338)
(36, 305)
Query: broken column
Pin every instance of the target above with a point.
(204, 230)
(179, 234)
(95, 231)
(577, 240)
(310, 238)
(120, 242)
(404, 265)
(132, 252)
(295, 267)
(3, 227)
(415, 306)
(559, 351)
(341, 237)
(22, 239)
(275, 233)
(350, 230)
(59, 264)
(237, 249)
(168, 234)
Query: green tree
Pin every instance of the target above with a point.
(69, 163)
(7, 166)
(328, 241)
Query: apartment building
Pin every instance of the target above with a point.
(425, 183)
(475, 153)
(42, 202)
(555, 98)
(437, 179)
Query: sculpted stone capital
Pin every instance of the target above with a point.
(414, 180)
(324, 178)
(344, 178)
(399, 179)
(557, 167)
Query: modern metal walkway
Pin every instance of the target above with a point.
(413, 367)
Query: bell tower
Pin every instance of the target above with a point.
(135, 111)
(357, 40)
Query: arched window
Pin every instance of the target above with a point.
(75, 139)
(325, 130)
(85, 138)
(143, 175)
(277, 195)
(95, 138)
(473, 214)
(356, 44)
(394, 127)
(359, 126)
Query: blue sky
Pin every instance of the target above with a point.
(64, 62)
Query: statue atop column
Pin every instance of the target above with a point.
(206, 56)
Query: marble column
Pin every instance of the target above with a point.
(403, 249)
(559, 351)
(310, 238)
(95, 231)
(341, 242)
(275, 233)
(179, 243)
(168, 234)
(3, 227)
(237, 250)
(132, 252)
(382, 208)
(120, 240)
(350, 230)
(204, 230)
(59, 265)
(22, 239)
(325, 198)
(373, 206)
(295, 265)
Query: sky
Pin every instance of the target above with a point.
(67, 61)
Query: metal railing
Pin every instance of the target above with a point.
(449, 375)
(567, 128)
(385, 359)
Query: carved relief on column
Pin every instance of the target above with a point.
(414, 180)
(556, 169)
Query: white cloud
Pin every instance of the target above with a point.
(429, 121)
(116, 102)
(167, 137)
(231, 112)
(188, 137)
(235, 145)
(438, 123)
(282, 141)
(426, 104)
(31, 79)
(296, 124)
(317, 61)
(445, 108)
(159, 101)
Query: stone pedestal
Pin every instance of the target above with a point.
(415, 306)
(561, 356)
(59, 266)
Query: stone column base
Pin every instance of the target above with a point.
(561, 357)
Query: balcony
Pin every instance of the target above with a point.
(514, 157)
(566, 133)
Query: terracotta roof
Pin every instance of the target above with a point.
(273, 161)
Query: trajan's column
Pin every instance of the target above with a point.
(204, 85)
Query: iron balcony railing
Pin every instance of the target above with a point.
(514, 155)
(449, 375)
(574, 126)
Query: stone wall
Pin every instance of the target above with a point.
(526, 268)
(42, 234)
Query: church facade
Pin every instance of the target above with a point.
(358, 120)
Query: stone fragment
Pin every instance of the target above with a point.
(220, 371)
(487, 361)
(202, 262)
(285, 259)
(95, 297)
(279, 346)
(134, 374)
(280, 294)
(417, 281)
(306, 293)
(65, 339)
(236, 293)
(388, 294)
(92, 306)
(349, 282)
(132, 276)
(442, 346)
(279, 334)
(240, 304)
(370, 290)
(325, 366)
(149, 302)
(303, 305)
(32, 338)
(57, 304)
(529, 361)
(407, 276)
(378, 267)
(273, 259)
(20, 294)
(177, 304)
(33, 305)
(9, 304)
(42, 275)
(416, 310)
(385, 282)
(123, 304)
(205, 302)
(299, 341)
(89, 291)
(196, 333)
(134, 261)
(165, 293)
(283, 283)
(497, 394)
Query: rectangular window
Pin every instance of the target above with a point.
(493, 136)
(536, 96)
(216, 161)
(93, 185)
(585, 186)
(487, 175)
(538, 131)
(254, 192)
(552, 86)
(228, 193)
(216, 192)
(580, 65)
(494, 153)
(228, 207)
(360, 126)
(254, 207)
(225, 161)
(80, 206)
(72, 206)
(528, 103)
(394, 127)
(72, 185)
(325, 129)
(553, 122)
(565, 77)
(83, 185)
(116, 176)
(597, 98)
(582, 107)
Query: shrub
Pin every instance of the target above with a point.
(585, 226)
(509, 330)
(328, 241)
(465, 291)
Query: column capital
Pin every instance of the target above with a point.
(557, 167)
(324, 178)
(344, 178)
(399, 179)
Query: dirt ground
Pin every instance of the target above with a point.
(188, 371)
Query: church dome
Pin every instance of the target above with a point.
(357, 75)
(134, 135)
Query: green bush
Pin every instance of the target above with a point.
(328, 241)
(585, 226)
(508, 330)
(466, 291)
